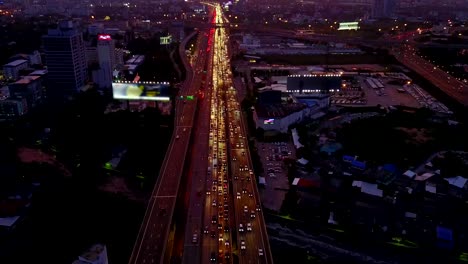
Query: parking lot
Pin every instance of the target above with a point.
(275, 173)
(425, 99)
(388, 95)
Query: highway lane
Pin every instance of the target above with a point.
(157, 228)
(407, 55)
(444, 81)
(195, 225)
(211, 240)
(217, 242)
(252, 246)
(260, 220)
(151, 242)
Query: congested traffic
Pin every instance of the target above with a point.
(232, 228)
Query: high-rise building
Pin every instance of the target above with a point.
(65, 55)
(106, 59)
(383, 8)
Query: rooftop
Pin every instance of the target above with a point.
(8, 221)
(274, 87)
(15, 63)
(278, 110)
(27, 79)
(93, 253)
(136, 59)
(38, 72)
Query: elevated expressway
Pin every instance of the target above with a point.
(152, 241)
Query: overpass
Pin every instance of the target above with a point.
(448, 84)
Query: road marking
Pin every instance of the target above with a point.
(164, 196)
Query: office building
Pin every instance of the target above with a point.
(29, 88)
(106, 59)
(65, 55)
(12, 108)
(11, 70)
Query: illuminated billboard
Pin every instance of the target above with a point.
(349, 26)
(141, 91)
(104, 37)
(321, 83)
(270, 121)
(165, 40)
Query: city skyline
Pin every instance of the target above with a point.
(234, 131)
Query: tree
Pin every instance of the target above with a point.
(291, 198)
(260, 133)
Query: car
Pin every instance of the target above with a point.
(208, 192)
(238, 195)
(195, 238)
(250, 194)
(258, 208)
(213, 234)
(214, 203)
(243, 247)
(220, 227)
(213, 257)
(241, 228)
(226, 243)
(244, 191)
(227, 255)
(214, 220)
(252, 214)
(206, 231)
(236, 177)
(221, 238)
(260, 252)
(249, 227)
(246, 210)
(226, 229)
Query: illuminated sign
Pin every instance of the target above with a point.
(141, 91)
(104, 37)
(165, 40)
(270, 121)
(349, 26)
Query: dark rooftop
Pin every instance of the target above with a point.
(278, 110)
